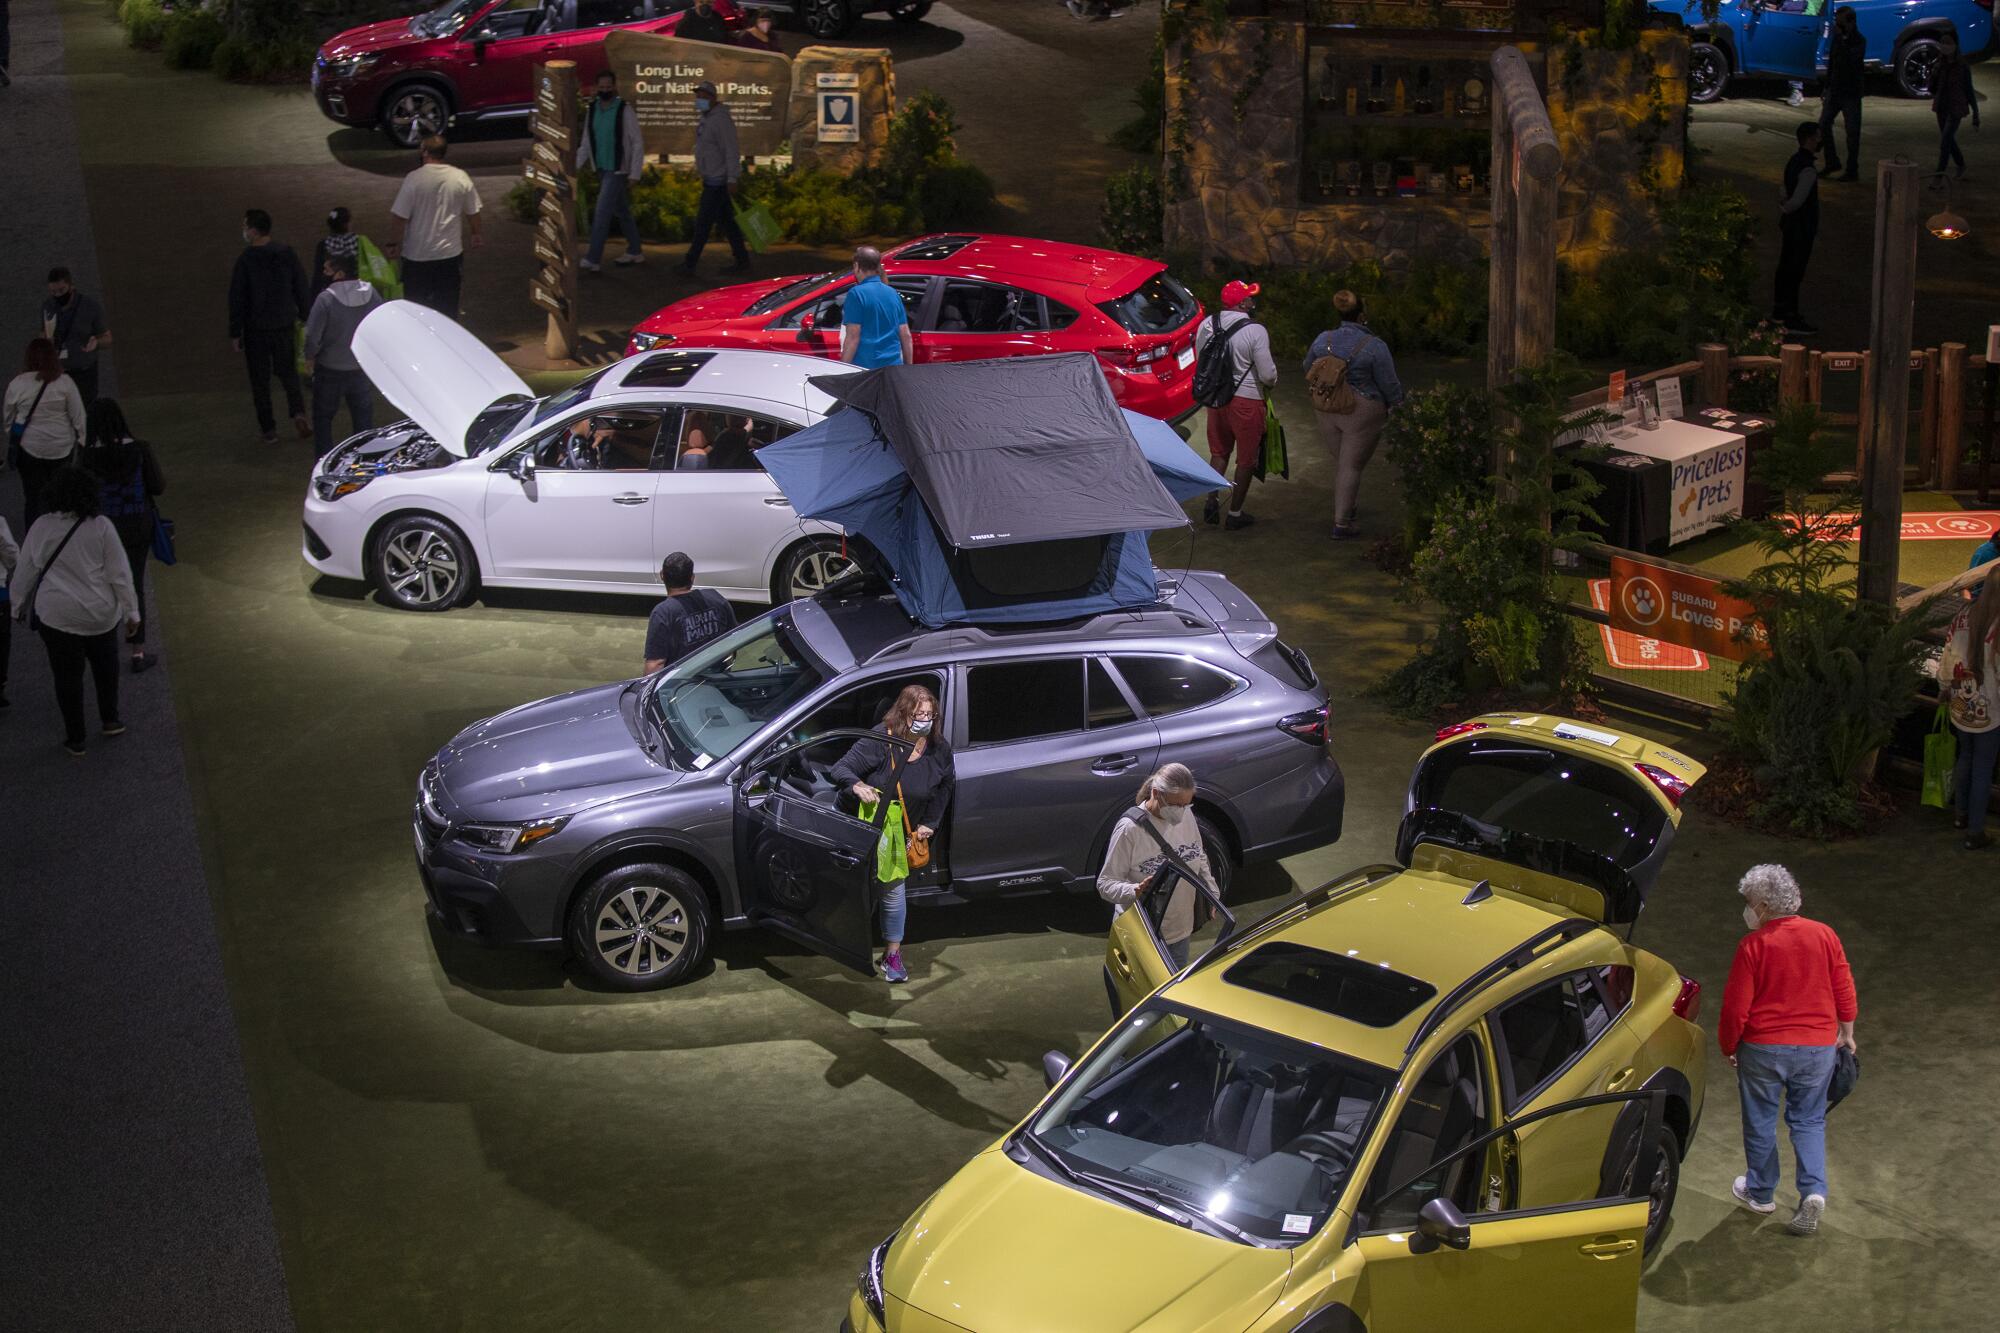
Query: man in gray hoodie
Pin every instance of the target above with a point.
(337, 374)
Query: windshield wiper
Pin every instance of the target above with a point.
(1156, 1201)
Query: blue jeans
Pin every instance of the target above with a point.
(894, 912)
(1972, 780)
(614, 204)
(1799, 1076)
(1177, 952)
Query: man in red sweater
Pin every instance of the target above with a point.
(1788, 1007)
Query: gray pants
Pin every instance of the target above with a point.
(1350, 438)
(614, 209)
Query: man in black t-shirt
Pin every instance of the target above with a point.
(688, 618)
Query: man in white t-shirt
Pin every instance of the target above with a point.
(430, 207)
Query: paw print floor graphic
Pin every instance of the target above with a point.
(1634, 652)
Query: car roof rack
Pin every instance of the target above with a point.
(1519, 956)
(1138, 618)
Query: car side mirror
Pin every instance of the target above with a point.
(521, 467)
(1440, 1223)
(1054, 1065)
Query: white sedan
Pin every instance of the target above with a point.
(585, 489)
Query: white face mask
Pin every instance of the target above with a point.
(1173, 814)
(1750, 918)
(920, 726)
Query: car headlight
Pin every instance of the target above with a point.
(346, 67)
(335, 485)
(869, 1283)
(646, 342)
(506, 839)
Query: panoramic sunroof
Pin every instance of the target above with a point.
(1344, 987)
(936, 248)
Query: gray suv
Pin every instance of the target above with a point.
(627, 822)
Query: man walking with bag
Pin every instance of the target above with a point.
(1787, 1009)
(719, 163)
(613, 147)
(1243, 360)
(267, 299)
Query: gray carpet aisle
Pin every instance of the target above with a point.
(132, 1192)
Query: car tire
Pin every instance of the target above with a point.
(827, 19)
(422, 563)
(603, 932)
(1666, 1183)
(1216, 848)
(1708, 71)
(413, 111)
(912, 12)
(808, 567)
(1916, 66)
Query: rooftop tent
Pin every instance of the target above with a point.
(999, 491)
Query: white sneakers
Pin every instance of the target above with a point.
(585, 266)
(1805, 1221)
(630, 259)
(1738, 1188)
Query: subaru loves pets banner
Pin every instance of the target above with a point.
(1676, 607)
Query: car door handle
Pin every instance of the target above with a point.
(1111, 765)
(1121, 962)
(1617, 1082)
(1607, 1249)
(845, 858)
(630, 498)
(777, 502)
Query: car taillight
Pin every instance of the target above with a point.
(1688, 1003)
(1671, 787)
(1127, 357)
(1309, 726)
(1458, 729)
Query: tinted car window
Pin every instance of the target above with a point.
(724, 440)
(1445, 1112)
(1173, 684)
(1543, 1031)
(1107, 702)
(1060, 315)
(791, 291)
(665, 370)
(1344, 987)
(1157, 305)
(986, 307)
(1011, 701)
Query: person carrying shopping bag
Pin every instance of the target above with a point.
(917, 782)
(1352, 380)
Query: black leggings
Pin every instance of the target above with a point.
(136, 554)
(68, 655)
(1948, 149)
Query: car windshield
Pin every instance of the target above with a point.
(1232, 1128)
(1158, 305)
(712, 701)
(507, 415)
(771, 300)
(446, 17)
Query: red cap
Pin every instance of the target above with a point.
(1235, 293)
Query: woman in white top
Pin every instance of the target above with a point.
(1969, 677)
(44, 417)
(10, 555)
(1136, 853)
(74, 578)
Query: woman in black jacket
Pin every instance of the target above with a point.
(875, 770)
(129, 477)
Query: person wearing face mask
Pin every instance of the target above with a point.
(719, 163)
(1788, 1007)
(702, 24)
(917, 778)
(612, 146)
(762, 35)
(268, 297)
(1137, 852)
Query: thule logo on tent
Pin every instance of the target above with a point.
(988, 536)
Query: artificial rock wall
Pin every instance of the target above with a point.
(1620, 117)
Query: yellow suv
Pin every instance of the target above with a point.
(1441, 1093)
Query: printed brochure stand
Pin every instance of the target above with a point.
(551, 169)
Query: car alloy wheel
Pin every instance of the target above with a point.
(1660, 1191)
(1916, 67)
(1216, 848)
(640, 927)
(811, 566)
(827, 18)
(1708, 72)
(421, 569)
(415, 113)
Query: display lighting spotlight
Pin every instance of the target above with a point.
(1945, 224)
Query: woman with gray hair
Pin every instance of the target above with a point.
(1138, 850)
(1787, 1008)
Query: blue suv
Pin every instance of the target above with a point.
(1781, 40)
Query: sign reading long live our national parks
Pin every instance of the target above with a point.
(658, 76)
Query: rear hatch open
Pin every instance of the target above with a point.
(1572, 813)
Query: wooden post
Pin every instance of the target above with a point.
(1792, 367)
(1990, 436)
(1714, 358)
(551, 169)
(1927, 415)
(1535, 161)
(1816, 379)
(1951, 413)
(1500, 273)
(1887, 419)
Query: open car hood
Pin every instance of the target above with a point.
(432, 369)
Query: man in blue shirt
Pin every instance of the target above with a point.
(874, 327)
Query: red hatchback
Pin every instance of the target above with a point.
(474, 59)
(972, 297)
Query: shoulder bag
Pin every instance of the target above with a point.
(1202, 911)
(918, 850)
(35, 621)
(17, 429)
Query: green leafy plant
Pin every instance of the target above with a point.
(1809, 712)
(1145, 131)
(145, 23)
(1656, 304)
(1432, 307)
(1441, 441)
(192, 37)
(1508, 642)
(1130, 219)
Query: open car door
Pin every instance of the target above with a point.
(1136, 960)
(805, 863)
(1425, 1265)
(1568, 812)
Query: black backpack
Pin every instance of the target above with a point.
(1214, 376)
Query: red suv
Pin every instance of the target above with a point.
(972, 297)
(474, 59)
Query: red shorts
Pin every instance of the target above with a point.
(1242, 422)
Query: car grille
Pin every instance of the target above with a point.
(430, 816)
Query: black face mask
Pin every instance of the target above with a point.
(607, 97)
